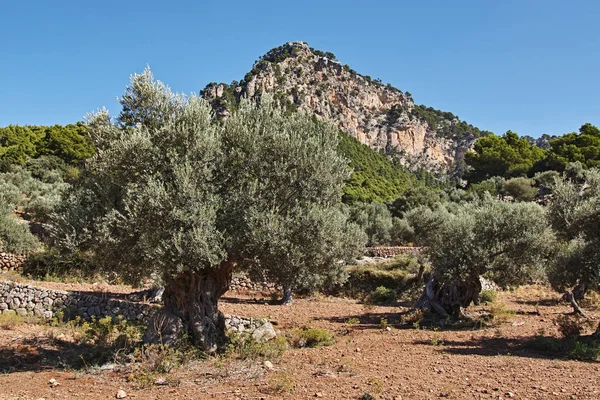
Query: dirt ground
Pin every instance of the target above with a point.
(403, 362)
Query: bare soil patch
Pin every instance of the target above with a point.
(397, 363)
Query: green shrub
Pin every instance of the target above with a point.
(571, 326)
(488, 296)
(310, 337)
(498, 314)
(15, 236)
(163, 358)
(52, 264)
(116, 333)
(585, 349)
(382, 295)
(244, 346)
(281, 382)
(397, 273)
(521, 189)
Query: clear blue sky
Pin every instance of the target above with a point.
(529, 65)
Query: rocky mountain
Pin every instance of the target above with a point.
(381, 116)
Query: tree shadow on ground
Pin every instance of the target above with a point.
(541, 303)
(372, 320)
(38, 354)
(238, 300)
(530, 347)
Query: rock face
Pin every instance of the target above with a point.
(378, 115)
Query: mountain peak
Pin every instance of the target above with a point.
(378, 115)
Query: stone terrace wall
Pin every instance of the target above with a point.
(241, 282)
(10, 262)
(391, 251)
(26, 300)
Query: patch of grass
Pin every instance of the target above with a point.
(151, 359)
(435, 339)
(352, 321)
(376, 384)
(281, 383)
(9, 320)
(244, 346)
(488, 296)
(310, 337)
(12, 276)
(592, 300)
(498, 314)
(383, 323)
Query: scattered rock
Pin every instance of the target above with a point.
(264, 333)
(269, 365)
(121, 394)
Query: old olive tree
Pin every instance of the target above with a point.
(173, 194)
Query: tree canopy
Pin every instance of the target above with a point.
(20, 143)
(172, 193)
(574, 213)
(583, 147)
(507, 156)
(506, 241)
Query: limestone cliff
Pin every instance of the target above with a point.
(378, 115)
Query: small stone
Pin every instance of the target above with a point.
(121, 394)
(53, 382)
(318, 394)
(510, 394)
(269, 365)
(264, 333)
(161, 381)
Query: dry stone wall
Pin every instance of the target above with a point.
(10, 262)
(241, 282)
(27, 300)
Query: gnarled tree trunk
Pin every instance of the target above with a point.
(571, 298)
(579, 291)
(190, 309)
(288, 298)
(449, 299)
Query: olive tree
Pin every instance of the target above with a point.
(174, 195)
(574, 213)
(374, 219)
(509, 241)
